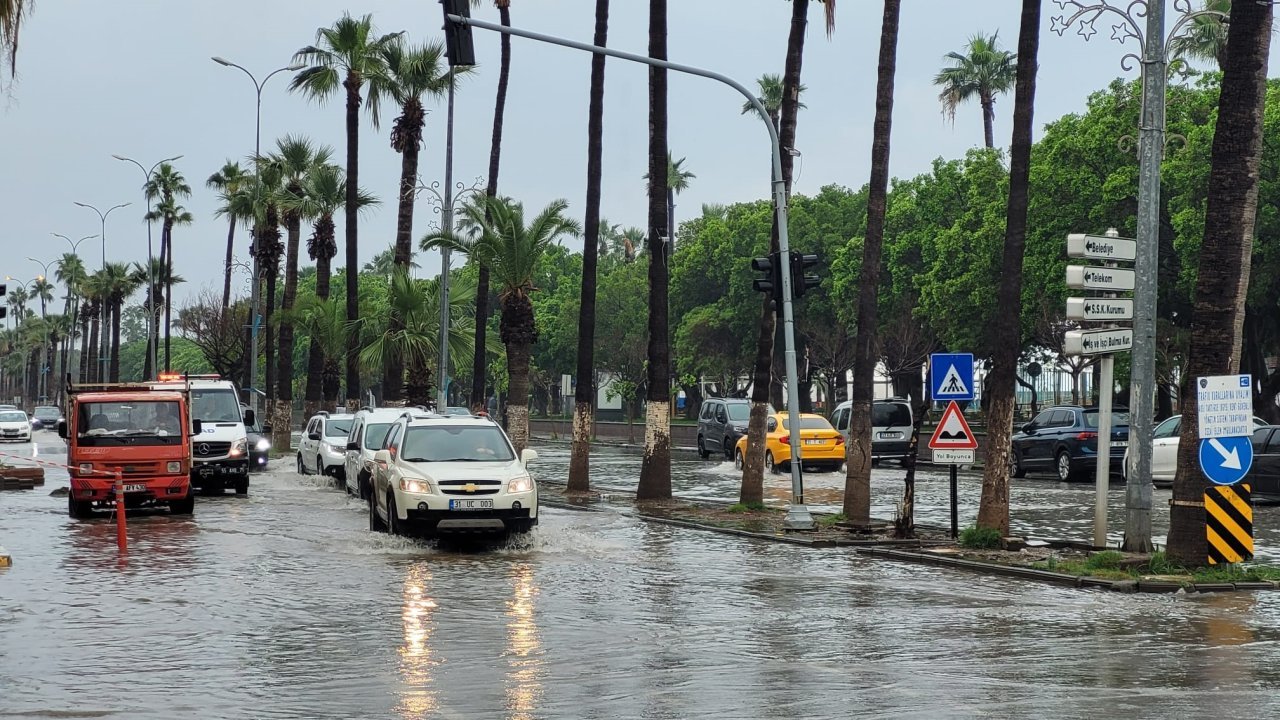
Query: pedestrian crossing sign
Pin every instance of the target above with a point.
(953, 431)
(951, 376)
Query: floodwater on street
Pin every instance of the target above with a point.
(284, 605)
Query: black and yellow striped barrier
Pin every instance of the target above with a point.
(1228, 518)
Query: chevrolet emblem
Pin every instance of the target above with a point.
(469, 487)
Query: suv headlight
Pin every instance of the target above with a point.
(239, 447)
(263, 445)
(520, 484)
(414, 485)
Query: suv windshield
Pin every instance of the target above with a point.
(739, 411)
(1118, 419)
(11, 416)
(455, 443)
(215, 405)
(810, 423)
(375, 435)
(337, 428)
(129, 422)
(890, 415)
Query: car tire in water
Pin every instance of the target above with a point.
(186, 506)
(393, 522)
(768, 462)
(375, 522)
(302, 469)
(702, 449)
(737, 459)
(79, 509)
(320, 466)
(729, 448)
(1063, 463)
(1015, 465)
(242, 486)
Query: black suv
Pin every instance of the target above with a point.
(720, 424)
(1064, 440)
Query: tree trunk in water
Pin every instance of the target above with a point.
(352, 85)
(584, 398)
(655, 468)
(1218, 313)
(480, 361)
(857, 487)
(226, 273)
(994, 509)
(518, 390)
(905, 523)
(282, 417)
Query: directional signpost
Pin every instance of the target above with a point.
(1225, 413)
(1105, 341)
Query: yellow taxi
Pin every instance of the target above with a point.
(821, 444)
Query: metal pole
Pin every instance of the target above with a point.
(152, 339)
(446, 221)
(1138, 489)
(798, 517)
(955, 503)
(1102, 485)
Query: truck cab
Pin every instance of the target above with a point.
(220, 451)
(142, 434)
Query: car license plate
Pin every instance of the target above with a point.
(206, 471)
(813, 441)
(135, 488)
(1119, 443)
(470, 504)
(890, 436)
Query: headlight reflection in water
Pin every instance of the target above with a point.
(524, 646)
(418, 698)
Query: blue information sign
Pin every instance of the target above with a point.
(1225, 461)
(952, 376)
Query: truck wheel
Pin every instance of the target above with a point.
(242, 486)
(185, 506)
(79, 509)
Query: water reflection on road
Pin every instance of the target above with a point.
(283, 605)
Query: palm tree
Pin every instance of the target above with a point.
(598, 231)
(480, 360)
(770, 96)
(153, 300)
(42, 290)
(983, 71)
(268, 250)
(993, 512)
(324, 320)
(857, 488)
(511, 250)
(411, 72)
(1206, 37)
(296, 158)
(384, 263)
(228, 182)
(351, 48)
(752, 488)
(70, 273)
(94, 289)
(677, 181)
(59, 327)
(323, 191)
(12, 15)
(118, 284)
(168, 185)
(1223, 279)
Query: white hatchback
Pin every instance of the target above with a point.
(442, 474)
(368, 435)
(15, 426)
(323, 447)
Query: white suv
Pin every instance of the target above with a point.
(368, 435)
(323, 447)
(450, 474)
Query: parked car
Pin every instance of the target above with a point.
(1164, 450)
(45, 417)
(891, 424)
(1064, 440)
(323, 447)
(368, 435)
(448, 474)
(14, 426)
(1263, 477)
(823, 445)
(721, 422)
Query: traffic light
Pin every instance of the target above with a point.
(801, 280)
(771, 282)
(457, 36)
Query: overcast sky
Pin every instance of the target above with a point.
(135, 78)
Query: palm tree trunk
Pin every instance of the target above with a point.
(993, 512)
(93, 345)
(857, 484)
(85, 342)
(655, 467)
(226, 272)
(1223, 279)
(393, 368)
(167, 241)
(584, 398)
(116, 307)
(269, 335)
(752, 488)
(417, 390)
(988, 120)
(352, 85)
(480, 360)
(314, 393)
(518, 394)
(282, 412)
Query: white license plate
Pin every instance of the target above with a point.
(135, 488)
(890, 436)
(813, 441)
(470, 504)
(1119, 443)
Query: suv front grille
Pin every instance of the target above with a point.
(210, 449)
(477, 487)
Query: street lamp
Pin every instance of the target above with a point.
(1154, 61)
(152, 346)
(257, 270)
(102, 216)
(44, 383)
(75, 246)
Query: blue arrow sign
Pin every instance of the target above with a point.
(951, 376)
(1225, 461)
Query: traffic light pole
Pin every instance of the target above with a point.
(798, 517)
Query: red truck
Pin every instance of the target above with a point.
(142, 433)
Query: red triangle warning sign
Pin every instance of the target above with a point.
(953, 431)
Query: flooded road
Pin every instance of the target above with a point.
(283, 605)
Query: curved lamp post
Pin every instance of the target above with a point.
(102, 216)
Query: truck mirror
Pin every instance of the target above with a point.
(62, 429)
(248, 417)
(196, 427)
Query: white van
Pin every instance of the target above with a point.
(220, 453)
(891, 424)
